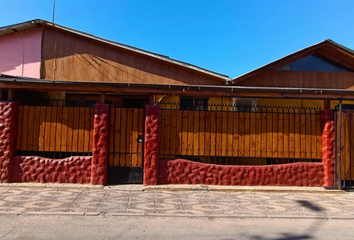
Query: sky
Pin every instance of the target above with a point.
(231, 37)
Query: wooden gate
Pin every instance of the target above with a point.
(126, 140)
(345, 169)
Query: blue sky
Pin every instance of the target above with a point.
(231, 37)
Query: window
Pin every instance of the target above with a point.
(315, 62)
(192, 103)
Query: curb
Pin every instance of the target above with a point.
(267, 189)
(236, 216)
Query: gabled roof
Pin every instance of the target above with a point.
(38, 22)
(326, 48)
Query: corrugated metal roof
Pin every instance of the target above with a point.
(39, 22)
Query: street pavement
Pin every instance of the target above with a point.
(134, 200)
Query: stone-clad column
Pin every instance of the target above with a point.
(8, 129)
(152, 144)
(99, 167)
(328, 146)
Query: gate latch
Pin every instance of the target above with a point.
(140, 139)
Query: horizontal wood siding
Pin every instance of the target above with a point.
(75, 58)
(301, 79)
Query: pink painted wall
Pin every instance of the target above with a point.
(20, 53)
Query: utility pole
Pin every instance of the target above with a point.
(53, 10)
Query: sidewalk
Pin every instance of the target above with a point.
(175, 200)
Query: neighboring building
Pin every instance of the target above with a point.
(130, 115)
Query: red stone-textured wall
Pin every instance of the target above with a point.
(151, 147)
(8, 127)
(99, 166)
(328, 146)
(45, 170)
(181, 171)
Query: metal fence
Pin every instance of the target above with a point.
(57, 129)
(241, 135)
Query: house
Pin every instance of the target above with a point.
(128, 115)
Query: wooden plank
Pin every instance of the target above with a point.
(292, 136)
(297, 133)
(81, 129)
(19, 128)
(167, 131)
(308, 136)
(196, 133)
(24, 128)
(345, 142)
(230, 130)
(235, 134)
(87, 130)
(123, 137)
(190, 139)
(241, 133)
(351, 147)
(163, 132)
(111, 136)
(141, 129)
(275, 123)
(303, 135)
(92, 113)
(319, 136)
(213, 136)
(58, 128)
(135, 130)
(47, 129)
(178, 132)
(30, 128)
(69, 130)
(184, 133)
(313, 136)
(269, 134)
(75, 131)
(36, 128)
(258, 135)
(116, 136)
(129, 139)
(224, 133)
(286, 135)
(280, 135)
(208, 134)
(247, 131)
(42, 120)
(264, 135)
(174, 135)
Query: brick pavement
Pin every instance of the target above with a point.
(131, 200)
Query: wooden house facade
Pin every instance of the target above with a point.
(82, 109)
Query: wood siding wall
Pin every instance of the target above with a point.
(300, 79)
(55, 129)
(74, 58)
(240, 134)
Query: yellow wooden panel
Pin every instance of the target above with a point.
(280, 135)
(275, 145)
(292, 136)
(303, 135)
(258, 135)
(224, 133)
(286, 135)
(269, 135)
(264, 135)
(247, 130)
(308, 136)
(241, 133)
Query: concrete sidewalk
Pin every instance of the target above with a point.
(175, 200)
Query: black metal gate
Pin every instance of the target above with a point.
(126, 145)
(344, 132)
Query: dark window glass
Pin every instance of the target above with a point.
(191, 103)
(315, 62)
